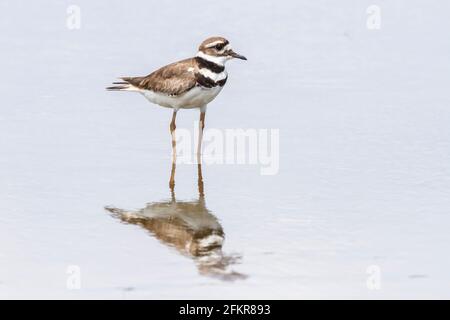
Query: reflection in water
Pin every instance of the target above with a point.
(187, 226)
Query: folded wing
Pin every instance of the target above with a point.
(173, 79)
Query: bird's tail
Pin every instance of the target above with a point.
(115, 211)
(124, 215)
(122, 86)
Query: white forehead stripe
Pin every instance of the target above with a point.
(212, 44)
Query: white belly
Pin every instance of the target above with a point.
(194, 98)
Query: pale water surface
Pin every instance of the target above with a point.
(364, 177)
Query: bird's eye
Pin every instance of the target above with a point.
(219, 46)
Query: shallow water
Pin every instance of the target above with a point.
(364, 163)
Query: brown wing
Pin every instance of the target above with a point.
(173, 79)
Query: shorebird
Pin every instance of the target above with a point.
(186, 84)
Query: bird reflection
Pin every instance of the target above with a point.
(187, 226)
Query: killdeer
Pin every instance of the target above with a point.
(186, 84)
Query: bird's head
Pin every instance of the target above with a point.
(218, 50)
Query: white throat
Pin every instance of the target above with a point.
(217, 60)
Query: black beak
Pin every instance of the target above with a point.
(235, 55)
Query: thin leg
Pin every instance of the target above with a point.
(172, 181)
(201, 192)
(172, 133)
(174, 152)
(201, 126)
